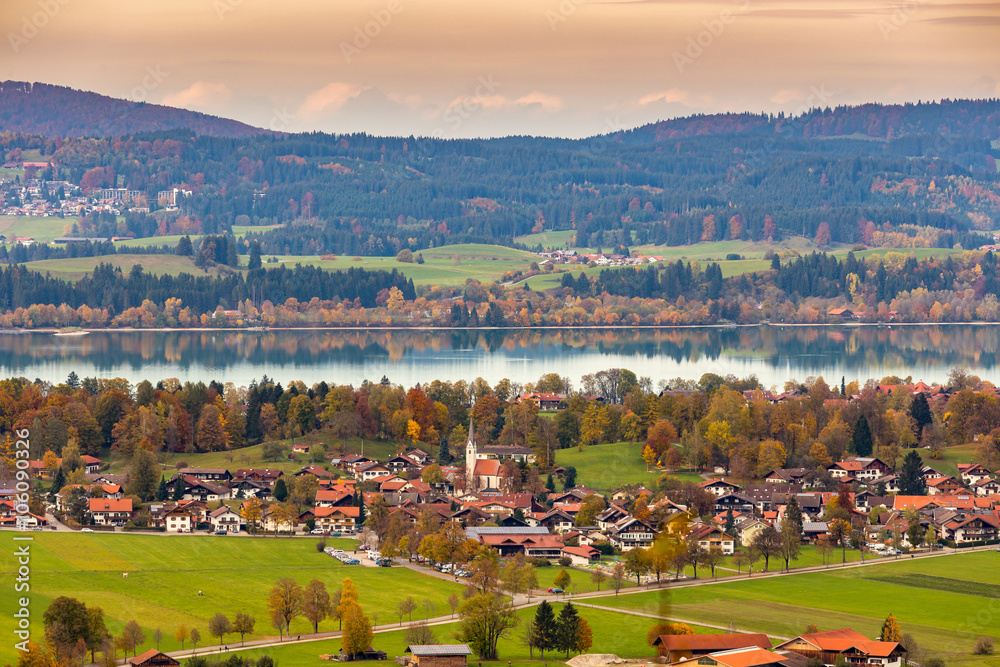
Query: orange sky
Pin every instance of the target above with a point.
(496, 67)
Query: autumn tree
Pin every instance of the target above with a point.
(219, 626)
(890, 630)
(243, 624)
(316, 603)
(285, 600)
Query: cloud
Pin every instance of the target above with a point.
(200, 94)
(786, 95)
(670, 96)
(495, 102)
(330, 98)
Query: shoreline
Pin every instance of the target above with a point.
(591, 327)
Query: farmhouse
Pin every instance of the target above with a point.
(226, 519)
(438, 655)
(108, 512)
(152, 658)
(676, 648)
(847, 645)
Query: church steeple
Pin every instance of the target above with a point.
(470, 453)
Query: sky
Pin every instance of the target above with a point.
(481, 68)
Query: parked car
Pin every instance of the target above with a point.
(316, 531)
(221, 532)
(556, 590)
(86, 530)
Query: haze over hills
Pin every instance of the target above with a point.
(59, 111)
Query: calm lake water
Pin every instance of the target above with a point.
(775, 354)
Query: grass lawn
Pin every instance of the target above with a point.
(166, 574)
(42, 230)
(240, 231)
(608, 467)
(935, 600)
(607, 627)
(951, 457)
(252, 457)
(77, 267)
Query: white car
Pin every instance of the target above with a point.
(86, 530)
(317, 531)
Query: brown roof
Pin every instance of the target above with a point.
(710, 643)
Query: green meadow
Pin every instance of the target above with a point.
(185, 579)
(608, 467)
(946, 603)
(42, 230)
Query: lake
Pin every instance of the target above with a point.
(773, 353)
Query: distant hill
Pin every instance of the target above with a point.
(58, 111)
(967, 118)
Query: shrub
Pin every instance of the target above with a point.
(733, 256)
(984, 646)
(933, 662)
(405, 255)
(565, 561)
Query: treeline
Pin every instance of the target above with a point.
(110, 289)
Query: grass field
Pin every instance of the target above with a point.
(153, 241)
(42, 230)
(482, 262)
(607, 467)
(77, 267)
(950, 458)
(239, 231)
(252, 457)
(166, 574)
(608, 628)
(936, 600)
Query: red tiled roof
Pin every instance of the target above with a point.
(711, 643)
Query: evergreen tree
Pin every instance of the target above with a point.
(73, 380)
(543, 629)
(550, 484)
(730, 527)
(569, 478)
(567, 628)
(920, 411)
(184, 247)
(58, 482)
(861, 439)
(254, 261)
(911, 476)
(280, 492)
(178, 489)
(161, 491)
(444, 453)
(793, 513)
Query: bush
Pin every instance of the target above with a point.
(321, 545)
(933, 662)
(405, 255)
(984, 646)
(541, 562)
(734, 256)
(565, 561)
(182, 464)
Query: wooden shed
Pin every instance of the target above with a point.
(439, 655)
(153, 658)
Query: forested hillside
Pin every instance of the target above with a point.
(919, 175)
(58, 111)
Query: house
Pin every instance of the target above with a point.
(108, 512)
(675, 648)
(713, 537)
(544, 401)
(961, 527)
(226, 519)
(788, 476)
(630, 533)
(986, 487)
(533, 542)
(176, 519)
(152, 658)
(337, 518)
(734, 501)
(945, 485)
(745, 657)
(813, 530)
(300, 449)
(582, 555)
(720, 487)
(214, 474)
(973, 472)
(316, 471)
(437, 655)
(846, 645)
(91, 464)
(334, 498)
(864, 469)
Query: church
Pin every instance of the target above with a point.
(483, 464)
